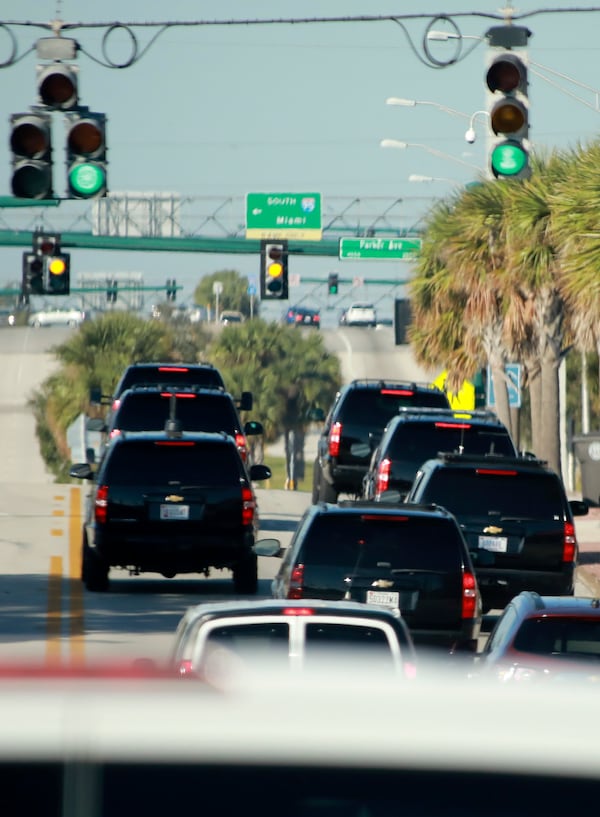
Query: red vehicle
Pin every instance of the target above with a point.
(540, 638)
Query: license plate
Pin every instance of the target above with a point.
(496, 543)
(384, 598)
(174, 511)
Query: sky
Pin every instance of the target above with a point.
(215, 112)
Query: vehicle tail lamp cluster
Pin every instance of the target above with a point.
(335, 435)
(469, 595)
(569, 543)
(296, 586)
(248, 506)
(383, 476)
(101, 504)
(242, 446)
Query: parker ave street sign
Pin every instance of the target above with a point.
(284, 215)
(386, 249)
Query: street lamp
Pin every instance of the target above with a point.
(415, 177)
(410, 103)
(470, 134)
(395, 143)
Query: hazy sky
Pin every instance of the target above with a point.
(220, 111)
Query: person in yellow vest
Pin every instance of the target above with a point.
(464, 398)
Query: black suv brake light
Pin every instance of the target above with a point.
(469, 595)
(498, 472)
(335, 435)
(173, 369)
(296, 589)
(178, 395)
(383, 476)
(452, 425)
(399, 392)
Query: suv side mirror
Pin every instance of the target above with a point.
(579, 507)
(252, 428)
(315, 414)
(246, 401)
(81, 470)
(259, 472)
(95, 424)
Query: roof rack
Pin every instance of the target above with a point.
(393, 383)
(467, 414)
(455, 456)
(169, 386)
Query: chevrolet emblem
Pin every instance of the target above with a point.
(173, 498)
(492, 529)
(385, 583)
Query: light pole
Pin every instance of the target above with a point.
(415, 177)
(470, 135)
(396, 143)
(411, 103)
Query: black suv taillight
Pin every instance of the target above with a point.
(296, 586)
(335, 435)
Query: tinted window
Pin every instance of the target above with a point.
(466, 493)
(345, 637)
(554, 634)
(255, 640)
(178, 462)
(158, 374)
(378, 407)
(357, 542)
(148, 412)
(413, 443)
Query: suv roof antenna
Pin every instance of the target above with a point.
(173, 426)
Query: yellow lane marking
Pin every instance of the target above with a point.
(76, 622)
(53, 622)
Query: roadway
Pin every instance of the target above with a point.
(46, 613)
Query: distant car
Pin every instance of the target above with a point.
(293, 634)
(303, 316)
(342, 320)
(541, 638)
(229, 316)
(353, 428)
(417, 434)
(7, 317)
(56, 317)
(147, 408)
(411, 559)
(361, 314)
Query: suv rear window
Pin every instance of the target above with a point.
(379, 406)
(413, 443)
(371, 541)
(144, 411)
(174, 461)
(176, 375)
(497, 491)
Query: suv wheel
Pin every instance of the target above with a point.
(94, 572)
(245, 575)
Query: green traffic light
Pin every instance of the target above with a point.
(87, 179)
(508, 159)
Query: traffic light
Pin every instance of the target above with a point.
(57, 85)
(32, 282)
(111, 291)
(86, 155)
(274, 270)
(332, 283)
(31, 146)
(508, 108)
(171, 289)
(57, 273)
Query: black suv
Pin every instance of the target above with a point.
(171, 502)
(515, 516)
(147, 408)
(180, 374)
(414, 559)
(360, 412)
(416, 435)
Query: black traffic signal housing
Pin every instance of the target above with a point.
(31, 146)
(57, 273)
(274, 270)
(332, 283)
(508, 109)
(87, 175)
(171, 289)
(32, 282)
(111, 291)
(57, 85)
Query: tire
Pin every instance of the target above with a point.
(327, 492)
(94, 571)
(245, 575)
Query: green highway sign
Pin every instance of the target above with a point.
(385, 249)
(284, 215)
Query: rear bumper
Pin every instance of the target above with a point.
(498, 587)
(345, 478)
